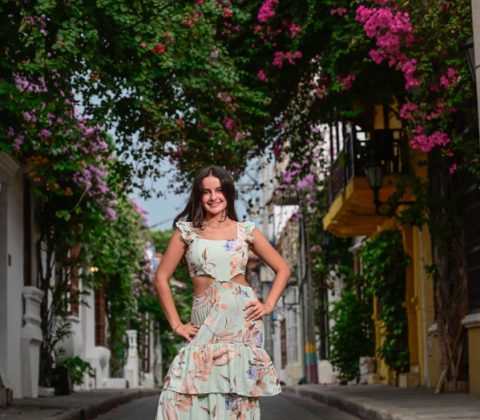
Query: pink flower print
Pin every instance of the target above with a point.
(227, 285)
(223, 356)
(210, 322)
(188, 386)
(169, 411)
(234, 263)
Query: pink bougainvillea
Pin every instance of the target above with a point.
(347, 81)
(306, 182)
(408, 68)
(407, 109)
(279, 57)
(228, 123)
(23, 83)
(391, 31)
(449, 78)
(340, 11)
(46, 138)
(292, 28)
(266, 11)
(262, 76)
(453, 168)
(425, 143)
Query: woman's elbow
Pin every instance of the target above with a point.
(160, 281)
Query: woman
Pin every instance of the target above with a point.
(223, 369)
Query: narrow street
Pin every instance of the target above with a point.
(281, 407)
(253, 197)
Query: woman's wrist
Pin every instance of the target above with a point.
(269, 306)
(176, 326)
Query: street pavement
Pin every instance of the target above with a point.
(280, 407)
(369, 402)
(383, 402)
(77, 406)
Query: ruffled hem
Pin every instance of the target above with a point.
(173, 405)
(226, 368)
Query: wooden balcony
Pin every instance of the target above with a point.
(351, 207)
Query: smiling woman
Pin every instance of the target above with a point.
(213, 199)
(223, 368)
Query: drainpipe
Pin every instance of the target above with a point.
(476, 46)
(310, 344)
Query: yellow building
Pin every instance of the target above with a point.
(353, 212)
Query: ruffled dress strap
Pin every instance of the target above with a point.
(187, 231)
(245, 231)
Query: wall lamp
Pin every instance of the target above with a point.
(470, 53)
(374, 175)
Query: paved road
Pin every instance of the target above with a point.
(281, 407)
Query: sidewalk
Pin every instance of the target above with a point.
(382, 402)
(76, 406)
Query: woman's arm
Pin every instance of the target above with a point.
(261, 246)
(171, 258)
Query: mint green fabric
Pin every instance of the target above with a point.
(217, 258)
(224, 369)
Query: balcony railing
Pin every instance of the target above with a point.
(388, 148)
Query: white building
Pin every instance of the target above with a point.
(20, 300)
(20, 333)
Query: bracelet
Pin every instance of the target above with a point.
(175, 329)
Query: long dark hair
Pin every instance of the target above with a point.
(193, 211)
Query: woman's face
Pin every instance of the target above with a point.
(213, 200)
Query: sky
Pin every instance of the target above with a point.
(162, 210)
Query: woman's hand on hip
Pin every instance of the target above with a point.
(187, 331)
(256, 310)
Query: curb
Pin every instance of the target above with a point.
(104, 406)
(357, 406)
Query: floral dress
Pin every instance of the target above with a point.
(223, 371)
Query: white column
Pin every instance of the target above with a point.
(132, 366)
(11, 272)
(31, 338)
(158, 363)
